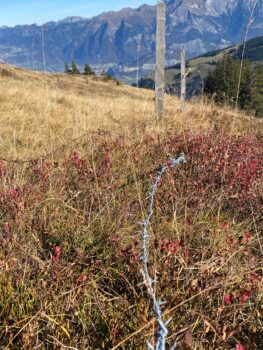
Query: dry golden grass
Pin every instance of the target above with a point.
(70, 273)
(40, 112)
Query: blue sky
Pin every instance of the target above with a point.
(14, 12)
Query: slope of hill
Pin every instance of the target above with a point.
(71, 105)
(204, 63)
(201, 65)
(112, 38)
(77, 158)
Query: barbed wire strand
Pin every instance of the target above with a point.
(149, 282)
(99, 132)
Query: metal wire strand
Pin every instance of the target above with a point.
(149, 282)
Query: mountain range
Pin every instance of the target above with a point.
(127, 38)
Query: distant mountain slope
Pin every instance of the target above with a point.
(114, 37)
(201, 65)
(204, 63)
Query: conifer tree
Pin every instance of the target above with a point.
(223, 83)
(74, 68)
(257, 91)
(88, 70)
(245, 93)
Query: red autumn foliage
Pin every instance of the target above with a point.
(7, 228)
(115, 332)
(240, 347)
(228, 299)
(57, 251)
(168, 246)
(245, 296)
(203, 242)
(14, 193)
(79, 162)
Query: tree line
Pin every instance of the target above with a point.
(222, 85)
(74, 69)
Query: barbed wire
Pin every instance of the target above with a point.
(99, 132)
(149, 282)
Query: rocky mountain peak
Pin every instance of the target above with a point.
(72, 19)
(213, 8)
(115, 37)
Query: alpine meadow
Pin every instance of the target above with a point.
(132, 219)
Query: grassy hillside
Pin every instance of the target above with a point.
(77, 158)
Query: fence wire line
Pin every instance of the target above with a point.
(99, 132)
(250, 22)
(149, 282)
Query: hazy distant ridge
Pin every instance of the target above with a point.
(114, 37)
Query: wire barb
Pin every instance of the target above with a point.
(148, 280)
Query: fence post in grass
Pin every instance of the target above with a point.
(183, 79)
(160, 59)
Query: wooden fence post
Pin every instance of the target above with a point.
(160, 59)
(183, 79)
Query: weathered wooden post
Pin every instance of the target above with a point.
(138, 57)
(160, 59)
(43, 48)
(183, 79)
